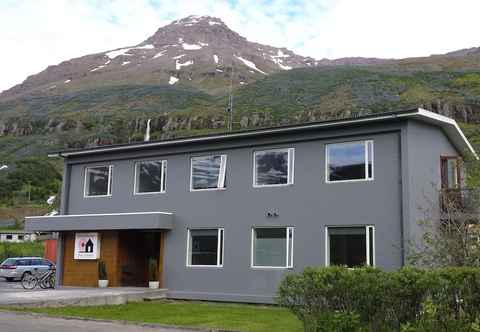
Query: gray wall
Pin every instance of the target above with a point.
(426, 144)
(309, 204)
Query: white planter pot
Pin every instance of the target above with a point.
(102, 283)
(153, 284)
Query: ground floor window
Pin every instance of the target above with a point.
(350, 246)
(205, 247)
(272, 247)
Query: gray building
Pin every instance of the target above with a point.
(225, 216)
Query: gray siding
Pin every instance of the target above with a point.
(309, 205)
(426, 144)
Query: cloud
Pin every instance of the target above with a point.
(38, 33)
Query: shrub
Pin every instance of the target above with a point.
(367, 299)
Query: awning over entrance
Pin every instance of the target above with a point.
(106, 221)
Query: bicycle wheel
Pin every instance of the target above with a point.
(29, 281)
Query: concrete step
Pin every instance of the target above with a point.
(158, 297)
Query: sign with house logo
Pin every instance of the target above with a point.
(87, 246)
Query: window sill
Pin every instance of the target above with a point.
(273, 185)
(150, 193)
(207, 189)
(349, 181)
(208, 267)
(270, 268)
(98, 196)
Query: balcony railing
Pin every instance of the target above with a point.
(458, 201)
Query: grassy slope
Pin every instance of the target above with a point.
(237, 317)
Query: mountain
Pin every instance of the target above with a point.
(194, 51)
(181, 76)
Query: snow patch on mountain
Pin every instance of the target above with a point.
(67, 81)
(179, 65)
(124, 51)
(124, 63)
(250, 64)
(159, 54)
(173, 80)
(215, 58)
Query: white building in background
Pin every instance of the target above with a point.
(17, 236)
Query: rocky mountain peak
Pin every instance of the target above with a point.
(196, 51)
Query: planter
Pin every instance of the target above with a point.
(153, 284)
(102, 283)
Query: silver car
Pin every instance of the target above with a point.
(15, 268)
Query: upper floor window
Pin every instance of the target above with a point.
(349, 161)
(450, 169)
(98, 181)
(150, 176)
(208, 172)
(273, 167)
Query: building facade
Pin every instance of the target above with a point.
(226, 216)
(16, 236)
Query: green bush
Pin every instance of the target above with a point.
(24, 249)
(367, 299)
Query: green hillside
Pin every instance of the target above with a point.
(34, 124)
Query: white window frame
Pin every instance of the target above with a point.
(291, 168)
(366, 178)
(163, 185)
(220, 247)
(109, 185)
(290, 230)
(221, 172)
(371, 260)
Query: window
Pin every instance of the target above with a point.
(450, 172)
(208, 172)
(350, 246)
(150, 177)
(273, 167)
(9, 237)
(349, 161)
(98, 181)
(272, 247)
(205, 247)
(20, 237)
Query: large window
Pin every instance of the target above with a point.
(349, 161)
(150, 177)
(350, 246)
(272, 247)
(273, 167)
(208, 172)
(205, 247)
(98, 181)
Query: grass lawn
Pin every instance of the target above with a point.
(237, 317)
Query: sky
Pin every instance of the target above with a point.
(38, 33)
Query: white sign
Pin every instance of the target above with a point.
(87, 246)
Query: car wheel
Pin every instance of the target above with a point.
(9, 279)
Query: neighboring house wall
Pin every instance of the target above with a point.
(309, 205)
(17, 237)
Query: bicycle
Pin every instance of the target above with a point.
(44, 280)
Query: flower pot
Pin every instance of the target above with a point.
(153, 284)
(102, 283)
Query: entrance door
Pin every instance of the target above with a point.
(136, 248)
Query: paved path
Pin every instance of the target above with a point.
(12, 293)
(13, 322)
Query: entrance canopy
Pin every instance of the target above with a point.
(103, 221)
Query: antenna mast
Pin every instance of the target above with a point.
(230, 102)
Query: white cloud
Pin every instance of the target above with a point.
(38, 33)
